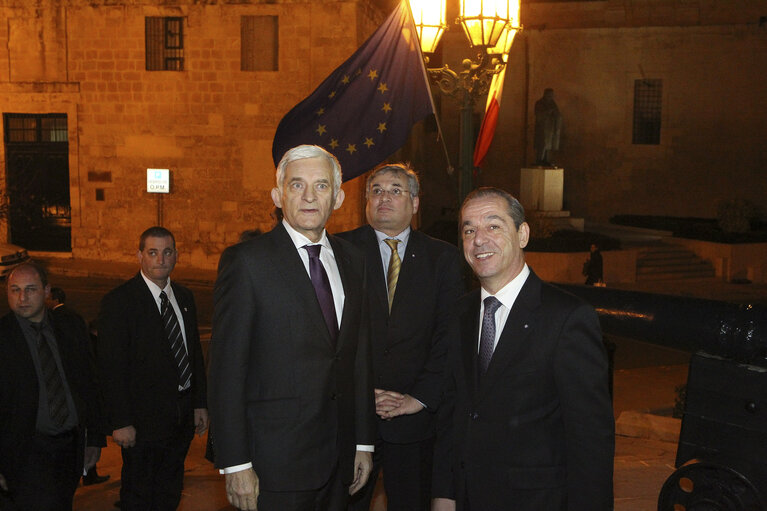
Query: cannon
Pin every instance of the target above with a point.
(721, 458)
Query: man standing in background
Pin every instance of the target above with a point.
(153, 376)
(413, 283)
(50, 422)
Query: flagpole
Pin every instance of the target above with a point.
(425, 75)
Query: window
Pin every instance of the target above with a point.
(259, 36)
(648, 98)
(164, 44)
(35, 128)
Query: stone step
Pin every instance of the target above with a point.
(668, 262)
(675, 276)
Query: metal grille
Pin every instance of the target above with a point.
(164, 44)
(259, 40)
(648, 100)
(36, 128)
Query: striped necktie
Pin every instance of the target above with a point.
(176, 340)
(393, 273)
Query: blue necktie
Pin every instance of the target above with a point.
(487, 338)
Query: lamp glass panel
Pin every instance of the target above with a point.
(484, 20)
(430, 21)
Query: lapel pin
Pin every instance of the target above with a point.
(525, 325)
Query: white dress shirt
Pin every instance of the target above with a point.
(507, 295)
(155, 290)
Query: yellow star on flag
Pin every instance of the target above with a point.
(369, 142)
(383, 88)
(333, 143)
(373, 74)
(332, 95)
(351, 148)
(381, 127)
(386, 107)
(321, 129)
(345, 79)
(320, 111)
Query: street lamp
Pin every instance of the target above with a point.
(490, 26)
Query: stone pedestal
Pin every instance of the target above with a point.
(541, 188)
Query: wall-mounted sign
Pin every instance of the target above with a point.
(158, 180)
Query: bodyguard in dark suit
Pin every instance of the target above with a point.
(48, 400)
(413, 283)
(153, 376)
(291, 392)
(531, 426)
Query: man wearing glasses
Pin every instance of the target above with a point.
(413, 282)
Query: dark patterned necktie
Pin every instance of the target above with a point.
(487, 337)
(176, 340)
(394, 265)
(322, 289)
(54, 385)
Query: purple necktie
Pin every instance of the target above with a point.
(322, 289)
(487, 337)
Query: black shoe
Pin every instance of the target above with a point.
(92, 477)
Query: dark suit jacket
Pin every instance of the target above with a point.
(282, 395)
(138, 372)
(410, 344)
(538, 430)
(19, 389)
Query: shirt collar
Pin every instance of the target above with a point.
(155, 289)
(402, 237)
(507, 295)
(299, 240)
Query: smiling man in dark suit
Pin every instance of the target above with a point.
(49, 401)
(153, 376)
(291, 392)
(529, 425)
(413, 283)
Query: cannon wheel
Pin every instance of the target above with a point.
(706, 486)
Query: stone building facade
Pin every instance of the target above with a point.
(706, 58)
(212, 121)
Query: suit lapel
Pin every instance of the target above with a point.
(344, 269)
(409, 271)
(519, 326)
(376, 275)
(293, 274)
(470, 337)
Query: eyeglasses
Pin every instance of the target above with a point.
(395, 193)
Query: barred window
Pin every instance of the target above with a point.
(259, 40)
(35, 127)
(164, 44)
(648, 99)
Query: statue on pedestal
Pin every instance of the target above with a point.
(548, 124)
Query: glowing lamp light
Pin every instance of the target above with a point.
(430, 22)
(503, 46)
(483, 21)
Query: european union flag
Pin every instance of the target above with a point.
(364, 110)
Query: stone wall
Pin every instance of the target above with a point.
(710, 56)
(211, 124)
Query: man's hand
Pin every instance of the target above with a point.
(125, 437)
(363, 464)
(242, 489)
(200, 420)
(440, 504)
(391, 404)
(92, 455)
(3, 483)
